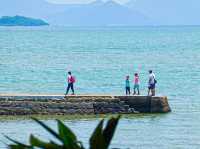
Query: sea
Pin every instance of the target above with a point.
(35, 60)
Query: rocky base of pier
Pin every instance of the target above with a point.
(58, 105)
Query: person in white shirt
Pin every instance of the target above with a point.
(152, 83)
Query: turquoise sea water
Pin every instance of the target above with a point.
(35, 60)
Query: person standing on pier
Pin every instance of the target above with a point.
(128, 88)
(136, 84)
(152, 83)
(70, 81)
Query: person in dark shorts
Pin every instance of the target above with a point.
(127, 86)
(152, 83)
(70, 81)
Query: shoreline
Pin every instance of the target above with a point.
(75, 117)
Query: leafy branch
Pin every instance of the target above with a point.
(100, 139)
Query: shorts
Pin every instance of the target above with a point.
(136, 86)
(152, 86)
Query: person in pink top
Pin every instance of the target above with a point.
(70, 81)
(136, 84)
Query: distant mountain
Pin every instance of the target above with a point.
(99, 13)
(95, 14)
(135, 12)
(169, 12)
(20, 21)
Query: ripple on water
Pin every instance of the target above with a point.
(36, 61)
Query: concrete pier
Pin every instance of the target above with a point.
(81, 104)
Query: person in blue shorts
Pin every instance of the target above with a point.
(151, 83)
(127, 86)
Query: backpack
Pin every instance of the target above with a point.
(155, 81)
(73, 80)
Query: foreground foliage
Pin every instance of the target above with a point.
(100, 139)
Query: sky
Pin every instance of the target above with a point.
(84, 1)
(160, 12)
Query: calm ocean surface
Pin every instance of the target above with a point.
(35, 60)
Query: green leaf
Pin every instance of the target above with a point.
(65, 132)
(14, 146)
(19, 144)
(36, 142)
(68, 137)
(97, 140)
(100, 139)
(109, 130)
(51, 131)
(41, 144)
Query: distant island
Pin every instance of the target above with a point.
(21, 21)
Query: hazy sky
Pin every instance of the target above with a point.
(164, 12)
(84, 1)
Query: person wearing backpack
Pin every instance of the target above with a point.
(136, 84)
(70, 81)
(151, 83)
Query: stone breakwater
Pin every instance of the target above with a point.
(58, 105)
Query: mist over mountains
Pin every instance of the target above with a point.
(99, 13)
(139, 12)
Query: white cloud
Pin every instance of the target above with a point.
(83, 1)
(120, 1)
(71, 1)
